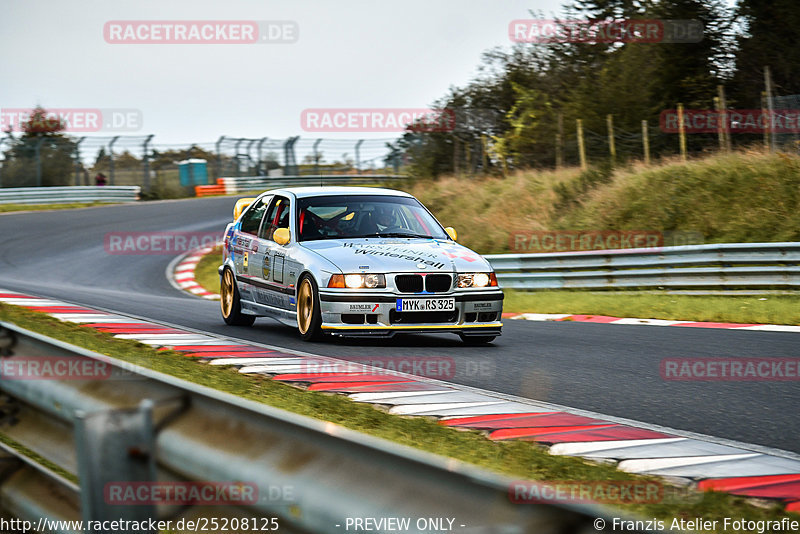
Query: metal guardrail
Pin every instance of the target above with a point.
(70, 194)
(138, 424)
(261, 183)
(724, 265)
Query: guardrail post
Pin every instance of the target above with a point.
(111, 159)
(646, 142)
(116, 456)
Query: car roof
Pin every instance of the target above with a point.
(303, 192)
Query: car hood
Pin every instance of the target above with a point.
(398, 255)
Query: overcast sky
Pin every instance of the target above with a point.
(349, 54)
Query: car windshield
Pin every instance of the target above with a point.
(353, 216)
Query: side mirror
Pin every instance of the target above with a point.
(241, 205)
(282, 236)
(451, 232)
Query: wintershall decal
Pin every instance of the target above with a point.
(157, 243)
(732, 120)
(391, 254)
(731, 369)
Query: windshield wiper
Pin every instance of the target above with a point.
(402, 234)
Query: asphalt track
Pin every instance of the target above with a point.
(610, 369)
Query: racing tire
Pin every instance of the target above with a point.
(230, 303)
(476, 340)
(309, 316)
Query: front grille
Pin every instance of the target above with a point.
(415, 283)
(408, 283)
(396, 317)
(438, 283)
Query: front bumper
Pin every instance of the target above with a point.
(371, 314)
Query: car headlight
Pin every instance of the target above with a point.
(477, 280)
(357, 281)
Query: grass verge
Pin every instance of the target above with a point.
(762, 309)
(8, 208)
(518, 459)
(205, 273)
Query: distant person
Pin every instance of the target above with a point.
(100, 179)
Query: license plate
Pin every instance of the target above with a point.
(412, 305)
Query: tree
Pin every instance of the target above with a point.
(42, 155)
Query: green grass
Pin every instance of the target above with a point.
(205, 272)
(7, 208)
(518, 459)
(747, 196)
(765, 309)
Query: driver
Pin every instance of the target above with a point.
(384, 217)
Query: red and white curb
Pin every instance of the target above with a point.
(605, 319)
(180, 273)
(704, 462)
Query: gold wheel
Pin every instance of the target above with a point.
(226, 293)
(305, 306)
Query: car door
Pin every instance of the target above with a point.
(245, 241)
(273, 263)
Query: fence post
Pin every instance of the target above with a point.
(720, 122)
(236, 155)
(219, 155)
(612, 149)
(316, 156)
(146, 163)
(682, 132)
(770, 107)
(38, 152)
(258, 152)
(484, 153)
(581, 145)
(560, 142)
(765, 114)
(646, 142)
(358, 156)
(468, 153)
(111, 159)
(723, 107)
(78, 161)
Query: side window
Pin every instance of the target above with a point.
(277, 217)
(251, 220)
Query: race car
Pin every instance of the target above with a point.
(354, 261)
